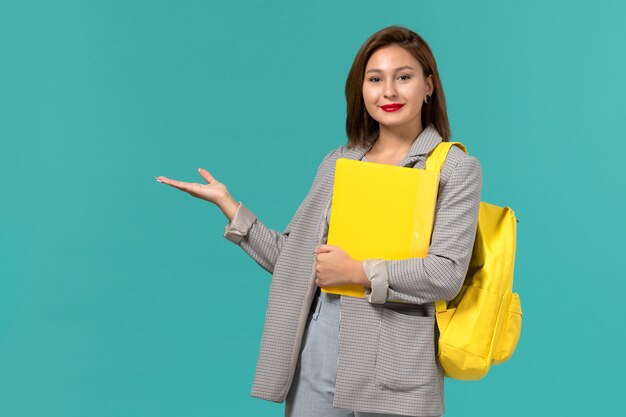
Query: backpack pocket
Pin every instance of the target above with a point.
(510, 332)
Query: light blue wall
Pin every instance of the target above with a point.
(120, 297)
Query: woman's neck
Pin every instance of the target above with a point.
(397, 140)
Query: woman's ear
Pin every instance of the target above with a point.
(430, 85)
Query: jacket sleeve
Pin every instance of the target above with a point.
(441, 274)
(257, 240)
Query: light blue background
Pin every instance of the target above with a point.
(120, 297)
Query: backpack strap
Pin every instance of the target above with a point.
(434, 162)
(437, 157)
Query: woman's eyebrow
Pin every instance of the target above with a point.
(397, 69)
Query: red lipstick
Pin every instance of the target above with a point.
(392, 107)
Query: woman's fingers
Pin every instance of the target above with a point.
(185, 186)
(213, 191)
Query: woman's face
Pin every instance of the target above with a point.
(393, 76)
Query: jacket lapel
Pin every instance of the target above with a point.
(423, 145)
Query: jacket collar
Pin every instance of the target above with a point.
(423, 144)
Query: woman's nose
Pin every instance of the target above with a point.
(390, 90)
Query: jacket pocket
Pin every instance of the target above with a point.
(405, 356)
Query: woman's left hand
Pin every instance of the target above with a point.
(334, 267)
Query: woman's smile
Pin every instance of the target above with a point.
(392, 107)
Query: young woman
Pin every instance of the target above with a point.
(330, 355)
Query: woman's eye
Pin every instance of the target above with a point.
(403, 77)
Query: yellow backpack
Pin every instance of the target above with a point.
(481, 325)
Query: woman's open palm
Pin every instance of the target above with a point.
(213, 191)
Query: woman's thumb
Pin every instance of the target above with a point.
(206, 175)
(323, 249)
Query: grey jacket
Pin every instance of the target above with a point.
(387, 360)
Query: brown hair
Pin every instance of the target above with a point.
(361, 128)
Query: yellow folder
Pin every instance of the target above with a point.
(380, 211)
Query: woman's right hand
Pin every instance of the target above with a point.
(213, 191)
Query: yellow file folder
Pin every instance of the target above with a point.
(380, 211)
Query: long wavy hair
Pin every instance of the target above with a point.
(361, 128)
